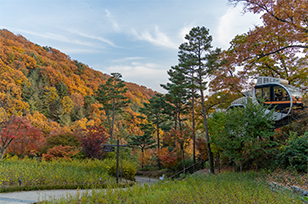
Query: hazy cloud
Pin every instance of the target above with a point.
(233, 23)
(126, 59)
(147, 74)
(52, 36)
(93, 37)
(112, 20)
(157, 38)
(184, 31)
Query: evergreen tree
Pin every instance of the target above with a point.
(110, 95)
(155, 113)
(189, 72)
(198, 55)
(88, 101)
(144, 141)
(62, 90)
(177, 95)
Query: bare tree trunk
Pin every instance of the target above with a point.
(112, 121)
(4, 147)
(183, 160)
(194, 126)
(209, 151)
(158, 145)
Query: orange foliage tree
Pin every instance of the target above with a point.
(65, 152)
(277, 48)
(167, 158)
(179, 139)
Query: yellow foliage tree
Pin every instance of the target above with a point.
(67, 104)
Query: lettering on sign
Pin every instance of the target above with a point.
(108, 148)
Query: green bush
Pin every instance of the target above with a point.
(295, 154)
(126, 168)
(244, 135)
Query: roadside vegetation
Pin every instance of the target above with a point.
(31, 174)
(243, 188)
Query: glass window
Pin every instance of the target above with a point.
(266, 93)
(259, 93)
(281, 94)
(263, 93)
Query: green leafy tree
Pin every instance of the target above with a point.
(246, 135)
(295, 153)
(110, 95)
(216, 123)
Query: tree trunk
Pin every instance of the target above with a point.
(218, 162)
(158, 146)
(209, 151)
(112, 121)
(193, 125)
(183, 159)
(142, 157)
(2, 153)
(4, 146)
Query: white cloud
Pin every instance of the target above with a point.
(71, 50)
(56, 37)
(93, 37)
(113, 21)
(158, 38)
(147, 74)
(233, 23)
(184, 31)
(126, 59)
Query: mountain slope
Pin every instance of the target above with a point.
(54, 91)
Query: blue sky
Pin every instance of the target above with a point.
(138, 38)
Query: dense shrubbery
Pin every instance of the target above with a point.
(243, 135)
(294, 154)
(127, 169)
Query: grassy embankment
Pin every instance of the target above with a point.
(30, 174)
(223, 188)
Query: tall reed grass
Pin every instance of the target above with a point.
(223, 188)
(30, 172)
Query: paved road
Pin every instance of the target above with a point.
(36, 196)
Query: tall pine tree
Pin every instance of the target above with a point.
(177, 95)
(155, 113)
(110, 95)
(197, 54)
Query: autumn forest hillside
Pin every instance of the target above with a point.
(54, 92)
